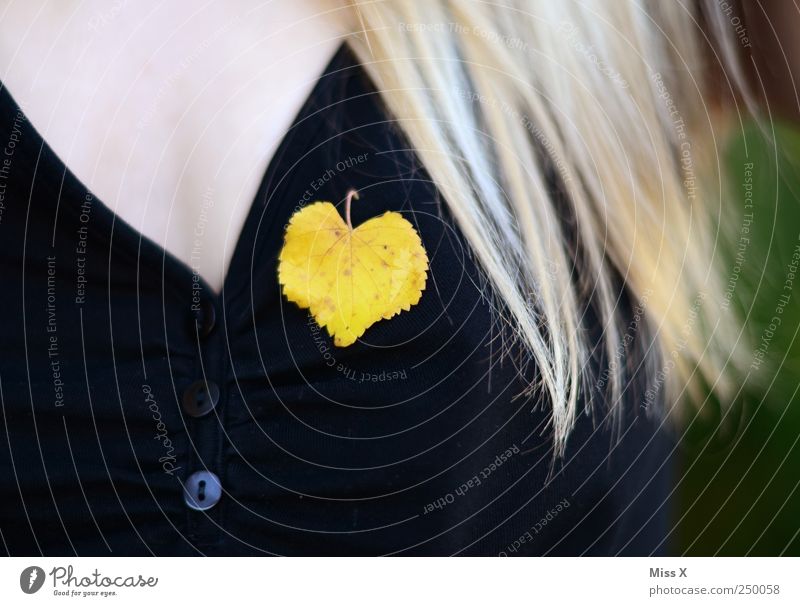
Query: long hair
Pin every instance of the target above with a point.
(611, 97)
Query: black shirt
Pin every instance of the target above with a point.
(144, 414)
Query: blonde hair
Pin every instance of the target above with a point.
(607, 95)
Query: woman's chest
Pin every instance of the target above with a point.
(130, 355)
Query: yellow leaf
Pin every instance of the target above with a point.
(349, 278)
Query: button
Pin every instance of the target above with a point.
(202, 490)
(204, 318)
(200, 398)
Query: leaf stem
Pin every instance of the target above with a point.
(350, 195)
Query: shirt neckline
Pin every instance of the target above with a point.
(50, 171)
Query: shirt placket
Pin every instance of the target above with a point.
(203, 401)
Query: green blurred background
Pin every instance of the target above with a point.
(738, 488)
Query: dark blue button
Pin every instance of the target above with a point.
(202, 490)
(200, 398)
(204, 318)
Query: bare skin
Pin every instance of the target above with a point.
(168, 111)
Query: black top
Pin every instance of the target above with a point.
(143, 414)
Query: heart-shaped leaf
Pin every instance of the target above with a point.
(349, 278)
